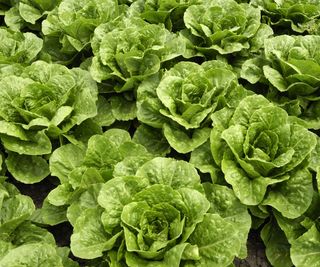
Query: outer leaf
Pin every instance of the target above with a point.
(277, 246)
(89, 240)
(249, 191)
(27, 169)
(167, 171)
(293, 196)
(64, 159)
(181, 142)
(202, 159)
(123, 109)
(32, 255)
(305, 251)
(14, 211)
(224, 202)
(171, 258)
(217, 241)
(39, 144)
(151, 139)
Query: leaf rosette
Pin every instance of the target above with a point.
(183, 98)
(161, 215)
(39, 105)
(290, 67)
(128, 50)
(301, 16)
(170, 13)
(83, 170)
(71, 25)
(265, 155)
(23, 243)
(222, 26)
(17, 47)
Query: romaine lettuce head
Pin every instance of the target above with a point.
(17, 47)
(83, 170)
(264, 155)
(294, 71)
(169, 13)
(291, 68)
(224, 26)
(160, 215)
(301, 16)
(69, 27)
(23, 243)
(129, 50)
(44, 100)
(183, 98)
(40, 104)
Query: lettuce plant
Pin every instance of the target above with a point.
(17, 47)
(291, 67)
(82, 171)
(23, 243)
(183, 98)
(159, 216)
(265, 155)
(166, 131)
(222, 26)
(170, 13)
(129, 50)
(73, 22)
(39, 105)
(300, 16)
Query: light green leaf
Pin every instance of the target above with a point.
(101, 153)
(27, 169)
(171, 258)
(129, 166)
(60, 195)
(251, 70)
(30, 233)
(29, 13)
(14, 211)
(305, 250)
(202, 159)
(277, 246)
(50, 214)
(14, 130)
(217, 241)
(275, 78)
(89, 240)
(181, 141)
(105, 116)
(123, 109)
(13, 19)
(32, 255)
(293, 196)
(115, 194)
(39, 144)
(152, 139)
(224, 202)
(117, 136)
(65, 159)
(167, 171)
(83, 200)
(249, 191)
